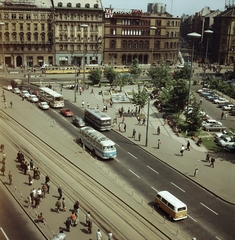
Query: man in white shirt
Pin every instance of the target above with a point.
(98, 235)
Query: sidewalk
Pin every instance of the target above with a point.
(209, 178)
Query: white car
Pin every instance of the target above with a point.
(210, 122)
(16, 90)
(33, 98)
(220, 100)
(24, 93)
(225, 140)
(43, 105)
(7, 87)
(228, 107)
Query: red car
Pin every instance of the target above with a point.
(66, 112)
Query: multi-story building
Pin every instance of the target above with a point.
(37, 31)
(130, 34)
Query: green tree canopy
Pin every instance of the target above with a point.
(183, 73)
(140, 98)
(121, 80)
(134, 69)
(194, 118)
(160, 75)
(110, 74)
(95, 75)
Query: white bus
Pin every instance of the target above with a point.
(99, 144)
(176, 209)
(97, 119)
(53, 98)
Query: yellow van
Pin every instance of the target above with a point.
(176, 209)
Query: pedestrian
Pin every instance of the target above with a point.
(83, 103)
(68, 224)
(208, 157)
(89, 226)
(200, 101)
(226, 115)
(98, 235)
(88, 216)
(133, 133)
(158, 143)
(60, 191)
(195, 172)
(11, 104)
(76, 208)
(87, 104)
(182, 150)
(188, 146)
(222, 115)
(10, 177)
(124, 127)
(92, 90)
(48, 187)
(39, 192)
(31, 164)
(110, 235)
(37, 201)
(119, 127)
(158, 130)
(212, 162)
(41, 218)
(63, 204)
(5, 102)
(44, 189)
(47, 179)
(138, 118)
(58, 205)
(2, 147)
(61, 230)
(104, 108)
(139, 136)
(30, 179)
(4, 156)
(123, 119)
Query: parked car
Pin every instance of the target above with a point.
(211, 122)
(220, 100)
(66, 112)
(43, 105)
(33, 98)
(213, 127)
(16, 90)
(7, 87)
(228, 107)
(230, 148)
(220, 105)
(35, 92)
(225, 140)
(24, 93)
(78, 122)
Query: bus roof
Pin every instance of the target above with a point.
(99, 137)
(50, 91)
(171, 199)
(98, 113)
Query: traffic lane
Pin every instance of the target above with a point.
(15, 224)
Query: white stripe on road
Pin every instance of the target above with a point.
(209, 208)
(217, 238)
(4, 233)
(192, 218)
(154, 189)
(132, 155)
(153, 169)
(134, 173)
(178, 187)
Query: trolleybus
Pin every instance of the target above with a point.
(53, 98)
(98, 143)
(97, 119)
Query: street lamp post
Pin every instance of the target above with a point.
(153, 28)
(3, 55)
(207, 32)
(193, 36)
(84, 53)
(147, 125)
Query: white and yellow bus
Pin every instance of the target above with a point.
(176, 209)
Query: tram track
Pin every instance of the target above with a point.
(59, 166)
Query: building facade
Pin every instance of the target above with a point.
(130, 34)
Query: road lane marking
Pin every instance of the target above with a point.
(217, 238)
(192, 218)
(154, 189)
(178, 187)
(209, 208)
(134, 173)
(116, 159)
(152, 169)
(4, 233)
(117, 144)
(132, 155)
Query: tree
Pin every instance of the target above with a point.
(110, 74)
(121, 80)
(183, 73)
(140, 98)
(160, 75)
(95, 75)
(134, 69)
(194, 118)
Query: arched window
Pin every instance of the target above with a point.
(78, 37)
(65, 37)
(72, 37)
(172, 34)
(171, 45)
(141, 45)
(112, 44)
(29, 36)
(135, 44)
(92, 38)
(129, 44)
(167, 34)
(146, 44)
(157, 45)
(166, 45)
(124, 44)
(35, 37)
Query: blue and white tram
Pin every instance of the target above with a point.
(98, 143)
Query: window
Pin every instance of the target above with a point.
(43, 16)
(130, 44)
(60, 27)
(21, 27)
(43, 37)
(124, 45)
(171, 206)
(87, 5)
(28, 26)
(69, 4)
(21, 16)
(146, 44)
(112, 44)
(65, 27)
(35, 27)
(141, 45)
(43, 27)
(60, 4)
(28, 16)
(72, 37)
(164, 201)
(14, 36)
(65, 38)
(6, 16)
(60, 37)
(29, 37)
(35, 37)
(79, 38)
(13, 16)
(135, 44)
(113, 31)
(65, 16)
(13, 26)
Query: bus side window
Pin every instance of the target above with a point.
(164, 201)
(158, 196)
(171, 206)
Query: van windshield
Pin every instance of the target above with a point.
(181, 209)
